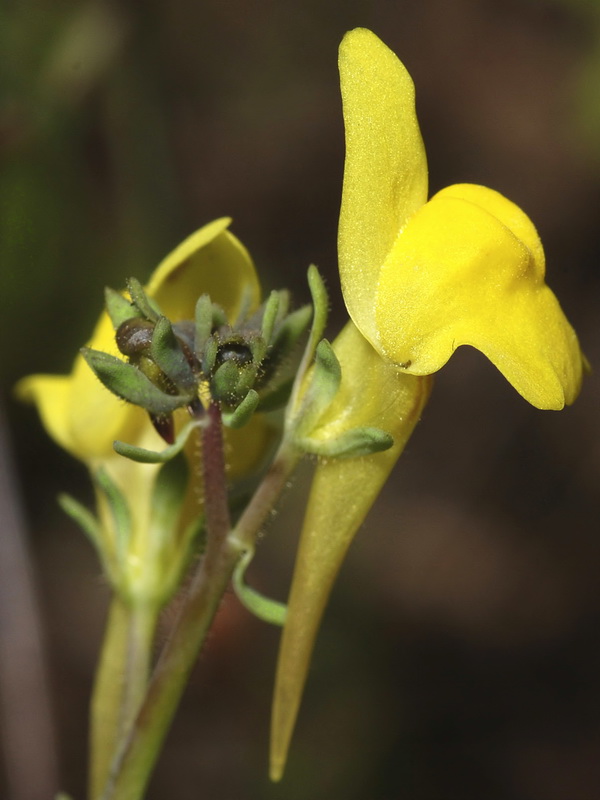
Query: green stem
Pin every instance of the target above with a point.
(120, 684)
(265, 497)
(133, 766)
(142, 626)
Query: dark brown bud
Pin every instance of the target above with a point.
(134, 336)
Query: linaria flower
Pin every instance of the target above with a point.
(422, 278)
(419, 278)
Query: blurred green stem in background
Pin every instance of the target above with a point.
(121, 682)
(140, 744)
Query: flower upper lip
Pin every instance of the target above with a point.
(421, 277)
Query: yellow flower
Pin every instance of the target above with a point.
(85, 418)
(419, 279)
(422, 278)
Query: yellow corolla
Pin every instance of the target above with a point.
(419, 279)
(422, 278)
(85, 418)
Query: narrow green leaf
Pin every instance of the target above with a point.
(264, 608)
(119, 508)
(352, 444)
(143, 456)
(88, 523)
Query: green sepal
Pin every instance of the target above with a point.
(119, 508)
(294, 414)
(88, 523)
(283, 310)
(203, 316)
(258, 348)
(352, 444)
(168, 355)
(119, 308)
(209, 355)
(219, 316)
(276, 373)
(231, 381)
(143, 456)
(324, 383)
(327, 374)
(243, 413)
(129, 383)
(270, 315)
(264, 608)
(146, 305)
(224, 382)
(320, 300)
(246, 303)
(290, 331)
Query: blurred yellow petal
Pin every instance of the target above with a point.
(51, 394)
(372, 392)
(211, 261)
(468, 268)
(385, 173)
(246, 447)
(81, 415)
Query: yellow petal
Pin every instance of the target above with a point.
(51, 394)
(211, 261)
(468, 268)
(372, 392)
(81, 415)
(385, 174)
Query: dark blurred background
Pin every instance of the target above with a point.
(460, 655)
